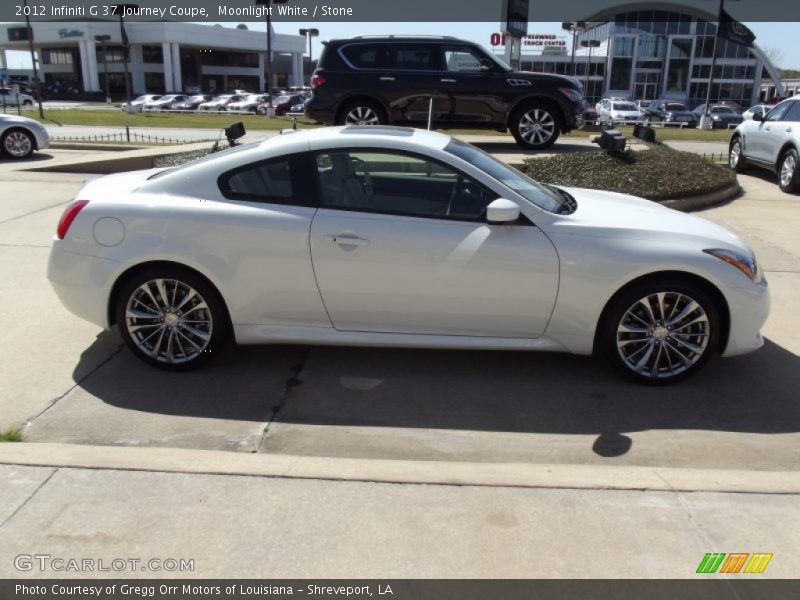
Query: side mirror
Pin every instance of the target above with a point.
(758, 116)
(502, 212)
(486, 66)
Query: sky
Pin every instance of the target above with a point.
(780, 37)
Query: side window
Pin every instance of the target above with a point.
(461, 60)
(793, 114)
(277, 181)
(777, 113)
(364, 56)
(413, 57)
(398, 184)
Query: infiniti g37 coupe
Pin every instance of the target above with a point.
(384, 236)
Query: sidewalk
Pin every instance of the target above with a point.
(290, 526)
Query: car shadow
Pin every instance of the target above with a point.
(459, 390)
(35, 157)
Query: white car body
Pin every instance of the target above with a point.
(165, 102)
(10, 97)
(249, 103)
(758, 108)
(141, 100)
(16, 146)
(613, 110)
(221, 102)
(288, 274)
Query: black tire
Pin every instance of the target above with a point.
(191, 349)
(27, 103)
(736, 160)
(17, 143)
(536, 125)
(789, 176)
(361, 112)
(696, 341)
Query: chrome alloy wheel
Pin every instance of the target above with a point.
(663, 335)
(537, 126)
(787, 169)
(362, 115)
(168, 321)
(18, 144)
(735, 155)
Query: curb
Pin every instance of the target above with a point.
(702, 201)
(95, 146)
(518, 475)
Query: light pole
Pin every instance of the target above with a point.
(126, 50)
(574, 27)
(103, 39)
(588, 44)
(309, 33)
(33, 60)
(267, 4)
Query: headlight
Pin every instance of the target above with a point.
(670, 116)
(572, 94)
(746, 264)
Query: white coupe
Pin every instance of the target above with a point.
(387, 236)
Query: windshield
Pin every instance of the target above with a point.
(624, 106)
(509, 176)
(722, 109)
(675, 106)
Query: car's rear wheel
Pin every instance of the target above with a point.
(736, 159)
(535, 126)
(660, 332)
(361, 112)
(27, 103)
(171, 318)
(789, 172)
(17, 143)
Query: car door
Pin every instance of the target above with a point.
(400, 244)
(764, 139)
(409, 79)
(472, 94)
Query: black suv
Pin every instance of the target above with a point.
(391, 80)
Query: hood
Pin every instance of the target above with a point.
(610, 214)
(562, 79)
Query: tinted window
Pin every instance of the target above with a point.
(416, 57)
(364, 56)
(793, 114)
(398, 184)
(675, 106)
(278, 181)
(461, 60)
(777, 113)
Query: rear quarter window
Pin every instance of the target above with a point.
(364, 56)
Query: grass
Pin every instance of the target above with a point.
(11, 435)
(116, 118)
(658, 173)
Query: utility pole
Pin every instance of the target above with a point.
(33, 60)
(309, 33)
(103, 39)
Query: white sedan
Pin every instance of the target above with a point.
(387, 236)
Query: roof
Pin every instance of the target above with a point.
(361, 135)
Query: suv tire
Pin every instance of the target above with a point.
(789, 172)
(361, 112)
(536, 125)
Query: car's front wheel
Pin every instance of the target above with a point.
(789, 172)
(535, 126)
(660, 332)
(736, 159)
(171, 318)
(17, 143)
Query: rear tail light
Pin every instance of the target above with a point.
(68, 217)
(317, 79)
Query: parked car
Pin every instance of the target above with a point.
(401, 225)
(9, 96)
(250, 103)
(300, 107)
(380, 80)
(281, 104)
(192, 102)
(762, 109)
(141, 100)
(671, 112)
(220, 103)
(167, 102)
(735, 106)
(643, 105)
(721, 115)
(20, 136)
(612, 111)
(590, 116)
(770, 141)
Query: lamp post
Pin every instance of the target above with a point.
(103, 39)
(574, 27)
(33, 60)
(588, 44)
(309, 33)
(126, 49)
(267, 4)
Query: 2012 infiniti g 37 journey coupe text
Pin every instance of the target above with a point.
(382, 236)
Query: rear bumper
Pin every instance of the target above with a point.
(320, 110)
(749, 309)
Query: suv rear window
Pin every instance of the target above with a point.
(364, 56)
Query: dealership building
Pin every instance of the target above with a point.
(651, 54)
(164, 57)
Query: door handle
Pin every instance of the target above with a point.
(788, 130)
(387, 78)
(447, 80)
(346, 241)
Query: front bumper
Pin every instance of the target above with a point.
(749, 309)
(42, 138)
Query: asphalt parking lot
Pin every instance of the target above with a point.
(67, 381)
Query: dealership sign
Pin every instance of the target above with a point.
(536, 40)
(69, 33)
